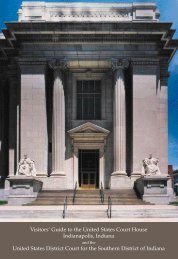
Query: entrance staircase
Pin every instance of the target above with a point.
(120, 205)
(87, 203)
(87, 197)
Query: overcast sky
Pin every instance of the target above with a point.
(169, 12)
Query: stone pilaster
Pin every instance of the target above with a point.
(58, 126)
(163, 123)
(119, 120)
(163, 116)
(3, 129)
(12, 121)
(33, 115)
(145, 111)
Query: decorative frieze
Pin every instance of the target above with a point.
(58, 12)
(82, 14)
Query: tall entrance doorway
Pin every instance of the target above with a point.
(89, 169)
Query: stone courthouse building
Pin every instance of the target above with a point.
(83, 92)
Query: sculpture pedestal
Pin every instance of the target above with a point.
(153, 189)
(23, 189)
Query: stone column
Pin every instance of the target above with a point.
(58, 126)
(119, 177)
(76, 166)
(119, 113)
(33, 115)
(102, 152)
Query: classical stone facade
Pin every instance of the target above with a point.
(83, 92)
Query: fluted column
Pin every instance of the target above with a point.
(58, 126)
(119, 119)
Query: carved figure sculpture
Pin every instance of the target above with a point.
(150, 166)
(26, 167)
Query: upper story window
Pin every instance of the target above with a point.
(89, 100)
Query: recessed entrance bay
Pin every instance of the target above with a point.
(89, 168)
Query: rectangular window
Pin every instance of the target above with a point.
(89, 100)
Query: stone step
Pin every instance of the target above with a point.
(88, 212)
(55, 195)
(54, 199)
(89, 215)
(163, 214)
(84, 197)
(121, 213)
(87, 198)
(119, 191)
(32, 214)
(121, 195)
(84, 202)
(46, 204)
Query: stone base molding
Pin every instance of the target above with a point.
(54, 182)
(120, 182)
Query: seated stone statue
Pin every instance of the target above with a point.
(26, 167)
(150, 166)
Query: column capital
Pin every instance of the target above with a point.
(60, 64)
(119, 64)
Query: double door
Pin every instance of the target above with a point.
(89, 169)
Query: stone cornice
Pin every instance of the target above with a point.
(67, 32)
(119, 63)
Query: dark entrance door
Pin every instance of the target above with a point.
(89, 168)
